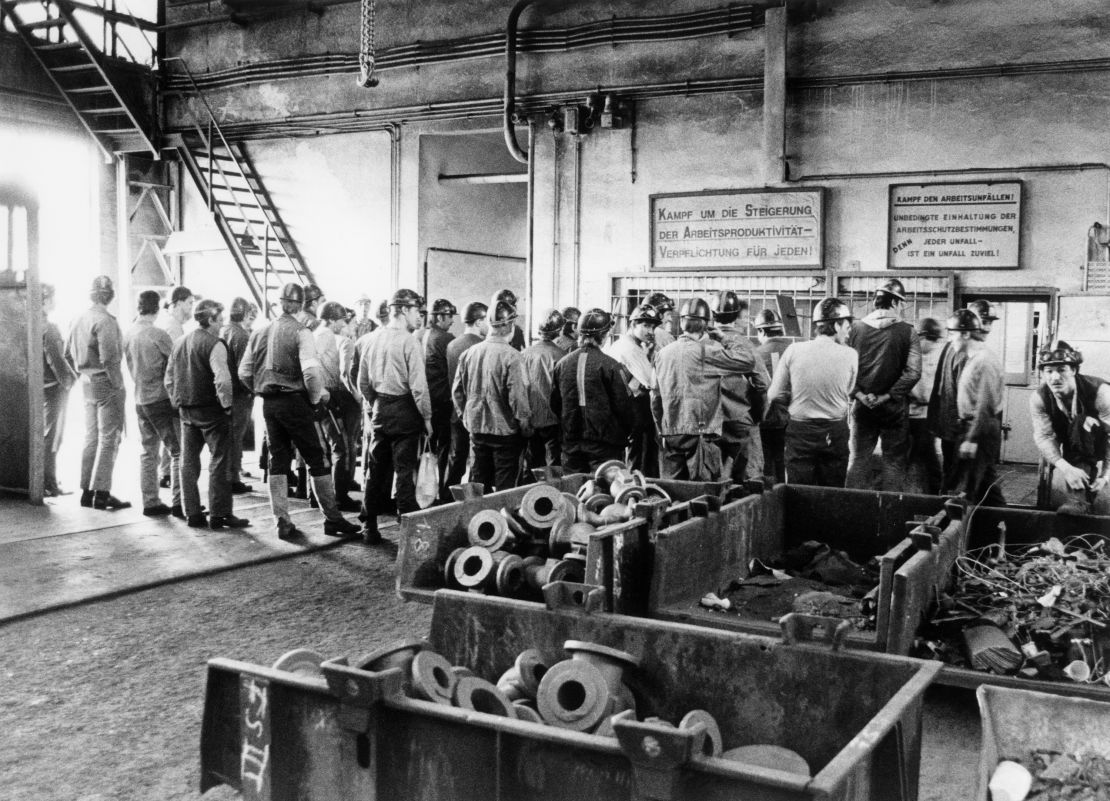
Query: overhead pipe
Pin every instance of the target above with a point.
(510, 81)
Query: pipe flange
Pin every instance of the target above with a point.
(558, 541)
(541, 506)
(713, 745)
(458, 671)
(568, 569)
(586, 490)
(629, 495)
(598, 501)
(479, 695)
(474, 567)
(534, 571)
(655, 491)
(432, 678)
(525, 711)
(591, 650)
(302, 661)
(488, 529)
(608, 472)
(514, 524)
(531, 667)
(449, 568)
(570, 506)
(573, 695)
(509, 683)
(580, 536)
(509, 574)
(639, 479)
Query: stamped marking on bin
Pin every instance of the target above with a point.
(254, 761)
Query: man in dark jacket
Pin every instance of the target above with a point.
(539, 359)
(889, 366)
(589, 394)
(437, 338)
(772, 429)
(235, 335)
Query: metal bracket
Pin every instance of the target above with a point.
(955, 508)
(705, 505)
(923, 535)
(359, 691)
(467, 491)
(657, 752)
(547, 474)
(585, 598)
(797, 627)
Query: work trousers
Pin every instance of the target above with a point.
(441, 447)
(496, 464)
(735, 444)
(817, 452)
(104, 413)
(584, 456)
(643, 442)
(290, 423)
(889, 424)
(200, 426)
(774, 447)
(1081, 501)
(241, 408)
(395, 429)
(54, 418)
(542, 450)
(159, 424)
(337, 431)
(978, 477)
(923, 473)
(679, 449)
(460, 455)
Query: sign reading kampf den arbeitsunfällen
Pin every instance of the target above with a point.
(954, 226)
(737, 229)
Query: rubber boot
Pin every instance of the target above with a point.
(335, 525)
(279, 505)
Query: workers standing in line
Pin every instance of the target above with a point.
(235, 336)
(815, 380)
(476, 328)
(342, 407)
(632, 351)
(923, 471)
(589, 395)
(95, 349)
(979, 402)
(491, 399)
(743, 396)
(538, 361)
(686, 401)
(199, 386)
(664, 335)
(1071, 417)
(58, 377)
(364, 323)
(281, 365)
(392, 381)
(518, 341)
(568, 337)
(313, 301)
(772, 428)
(889, 366)
(437, 338)
(148, 350)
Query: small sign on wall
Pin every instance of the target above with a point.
(954, 226)
(737, 229)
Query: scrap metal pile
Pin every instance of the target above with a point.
(1046, 775)
(1039, 611)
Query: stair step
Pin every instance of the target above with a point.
(57, 47)
(115, 131)
(89, 90)
(75, 68)
(42, 24)
(224, 187)
(113, 110)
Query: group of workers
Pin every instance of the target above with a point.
(705, 405)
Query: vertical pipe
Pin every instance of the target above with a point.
(774, 96)
(35, 445)
(394, 204)
(531, 207)
(556, 200)
(125, 303)
(577, 218)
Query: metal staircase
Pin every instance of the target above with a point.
(112, 95)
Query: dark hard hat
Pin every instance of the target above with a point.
(475, 311)
(506, 295)
(443, 306)
(964, 320)
(102, 283)
(595, 322)
(207, 310)
(504, 313)
(983, 309)
(551, 322)
(660, 302)
(571, 314)
(406, 297)
(831, 310)
(646, 313)
(311, 293)
(239, 308)
(1058, 353)
(725, 302)
(333, 311)
(893, 287)
(383, 309)
(149, 300)
(293, 293)
(768, 318)
(929, 328)
(695, 307)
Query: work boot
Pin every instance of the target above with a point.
(335, 525)
(341, 528)
(228, 521)
(371, 535)
(197, 521)
(238, 487)
(164, 482)
(287, 531)
(107, 501)
(157, 510)
(179, 513)
(87, 498)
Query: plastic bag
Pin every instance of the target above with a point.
(427, 477)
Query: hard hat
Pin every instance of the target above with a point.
(893, 287)
(646, 313)
(239, 308)
(506, 295)
(443, 306)
(572, 314)
(293, 292)
(406, 297)
(724, 303)
(551, 322)
(660, 301)
(207, 311)
(831, 310)
(363, 298)
(1059, 352)
(983, 309)
(383, 310)
(695, 307)
(929, 328)
(333, 310)
(312, 292)
(102, 283)
(595, 322)
(768, 318)
(149, 300)
(475, 311)
(964, 320)
(504, 313)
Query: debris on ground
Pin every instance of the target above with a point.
(1066, 777)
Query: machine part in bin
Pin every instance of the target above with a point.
(630, 495)
(474, 567)
(513, 522)
(586, 490)
(605, 728)
(449, 568)
(531, 668)
(480, 695)
(488, 529)
(459, 671)
(566, 538)
(580, 537)
(574, 695)
(570, 501)
(598, 501)
(655, 491)
(532, 567)
(541, 506)
(616, 513)
(432, 678)
(508, 573)
(609, 661)
(774, 757)
(558, 539)
(302, 661)
(660, 722)
(572, 569)
(509, 683)
(396, 655)
(714, 745)
(609, 472)
(524, 711)
(538, 572)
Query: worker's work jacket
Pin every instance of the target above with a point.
(197, 373)
(1078, 434)
(589, 395)
(281, 357)
(435, 368)
(743, 396)
(686, 399)
(391, 364)
(539, 369)
(95, 347)
(489, 392)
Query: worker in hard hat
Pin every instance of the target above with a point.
(314, 300)
(436, 339)
(815, 381)
(568, 337)
(686, 401)
(538, 360)
(889, 367)
(633, 349)
(491, 399)
(475, 328)
(664, 334)
(343, 409)
(772, 428)
(1071, 418)
(923, 470)
(281, 365)
(589, 394)
(518, 340)
(236, 336)
(364, 323)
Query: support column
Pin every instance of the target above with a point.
(774, 96)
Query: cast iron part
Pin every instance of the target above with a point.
(541, 506)
(432, 678)
(474, 568)
(480, 695)
(525, 711)
(396, 655)
(488, 529)
(508, 573)
(609, 661)
(302, 661)
(449, 569)
(713, 745)
(574, 695)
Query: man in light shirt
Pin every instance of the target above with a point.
(341, 421)
(632, 351)
(979, 405)
(923, 467)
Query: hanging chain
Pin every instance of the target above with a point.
(366, 77)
